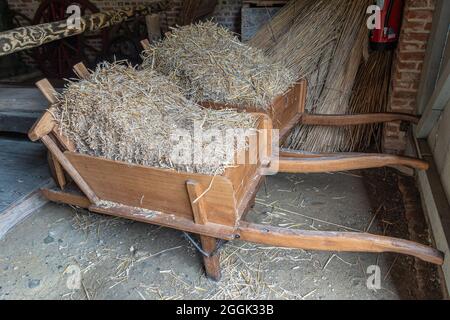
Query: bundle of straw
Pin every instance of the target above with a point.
(370, 94)
(323, 41)
(130, 115)
(210, 64)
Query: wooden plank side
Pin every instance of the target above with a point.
(245, 177)
(242, 177)
(73, 198)
(169, 220)
(155, 189)
(437, 103)
(287, 108)
(285, 111)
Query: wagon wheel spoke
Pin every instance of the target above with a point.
(92, 48)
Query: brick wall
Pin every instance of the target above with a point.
(407, 68)
(228, 14)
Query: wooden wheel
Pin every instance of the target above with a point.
(125, 44)
(20, 20)
(56, 59)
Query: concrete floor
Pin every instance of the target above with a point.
(24, 168)
(121, 259)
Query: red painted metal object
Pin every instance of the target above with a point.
(386, 36)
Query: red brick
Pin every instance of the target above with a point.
(413, 47)
(403, 94)
(422, 15)
(415, 37)
(411, 56)
(402, 103)
(407, 67)
(416, 26)
(408, 77)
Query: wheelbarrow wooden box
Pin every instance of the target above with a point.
(213, 207)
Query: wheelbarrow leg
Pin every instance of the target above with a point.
(212, 263)
(209, 244)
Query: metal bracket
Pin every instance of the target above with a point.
(219, 245)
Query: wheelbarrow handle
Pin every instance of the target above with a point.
(342, 162)
(356, 119)
(335, 241)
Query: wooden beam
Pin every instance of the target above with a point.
(433, 59)
(167, 220)
(47, 90)
(335, 241)
(62, 139)
(209, 244)
(153, 27)
(57, 171)
(70, 198)
(437, 103)
(46, 123)
(145, 44)
(435, 204)
(42, 127)
(81, 71)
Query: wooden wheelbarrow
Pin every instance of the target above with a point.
(212, 207)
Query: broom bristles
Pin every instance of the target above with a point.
(322, 40)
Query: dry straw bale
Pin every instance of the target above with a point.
(211, 64)
(125, 114)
